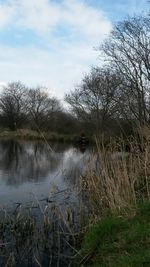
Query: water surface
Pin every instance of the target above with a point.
(30, 170)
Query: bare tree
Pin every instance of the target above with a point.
(94, 100)
(41, 107)
(13, 105)
(128, 51)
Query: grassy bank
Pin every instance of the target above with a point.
(118, 241)
(119, 232)
(35, 135)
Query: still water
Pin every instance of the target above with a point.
(32, 170)
(41, 209)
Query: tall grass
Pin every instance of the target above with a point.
(119, 179)
(42, 232)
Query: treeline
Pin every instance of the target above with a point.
(112, 99)
(33, 108)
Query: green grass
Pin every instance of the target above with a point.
(118, 241)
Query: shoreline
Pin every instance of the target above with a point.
(35, 136)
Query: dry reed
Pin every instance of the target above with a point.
(119, 179)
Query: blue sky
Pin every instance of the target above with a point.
(50, 42)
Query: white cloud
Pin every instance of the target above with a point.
(7, 13)
(37, 15)
(40, 16)
(43, 16)
(86, 19)
(62, 60)
(2, 85)
(35, 66)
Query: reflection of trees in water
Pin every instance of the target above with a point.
(27, 161)
(75, 164)
(10, 152)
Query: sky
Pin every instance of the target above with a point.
(52, 42)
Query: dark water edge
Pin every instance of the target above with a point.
(49, 238)
(42, 210)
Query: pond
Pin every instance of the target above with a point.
(33, 169)
(40, 203)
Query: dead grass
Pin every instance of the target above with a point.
(119, 179)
